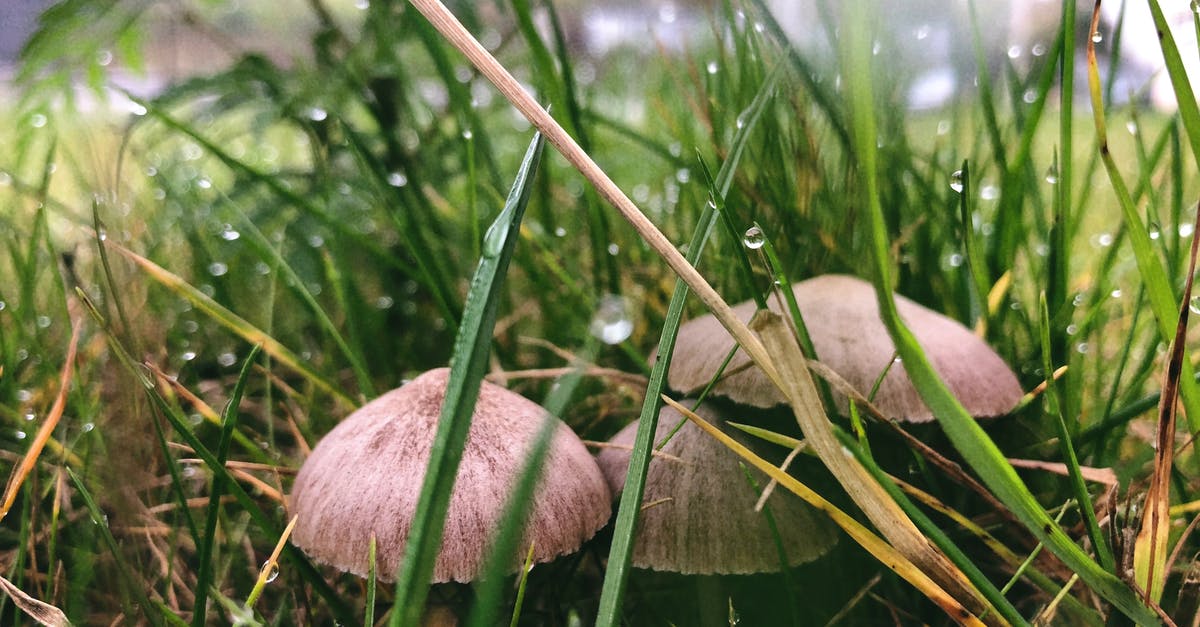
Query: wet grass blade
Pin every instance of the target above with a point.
(621, 551)
(228, 425)
(979, 451)
(467, 365)
(1149, 264)
(1054, 406)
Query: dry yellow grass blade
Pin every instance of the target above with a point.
(458, 36)
(234, 323)
(875, 545)
(871, 498)
(43, 435)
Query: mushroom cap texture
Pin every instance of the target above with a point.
(708, 524)
(365, 476)
(842, 316)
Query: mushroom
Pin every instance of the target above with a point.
(364, 477)
(842, 316)
(699, 515)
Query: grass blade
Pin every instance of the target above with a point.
(980, 452)
(228, 425)
(884, 552)
(1150, 548)
(467, 366)
(516, 509)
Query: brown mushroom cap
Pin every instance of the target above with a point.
(842, 317)
(364, 478)
(708, 524)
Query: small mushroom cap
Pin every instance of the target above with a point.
(365, 476)
(842, 316)
(707, 523)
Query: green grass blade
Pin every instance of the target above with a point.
(980, 452)
(205, 548)
(180, 425)
(132, 584)
(1149, 264)
(613, 592)
(1082, 498)
(467, 366)
(520, 501)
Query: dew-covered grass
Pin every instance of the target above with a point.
(299, 232)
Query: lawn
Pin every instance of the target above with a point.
(210, 260)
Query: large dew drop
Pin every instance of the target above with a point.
(754, 238)
(612, 323)
(956, 181)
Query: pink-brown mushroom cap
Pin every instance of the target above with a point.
(699, 516)
(842, 316)
(364, 478)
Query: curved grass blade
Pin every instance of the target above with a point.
(980, 452)
(516, 509)
(235, 323)
(180, 425)
(1150, 266)
(467, 365)
(228, 424)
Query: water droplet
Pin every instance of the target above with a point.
(362, 5)
(956, 181)
(396, 179)
(467, 134)
(104, 57)
(24, 395)
(754, 238)
(1132, 127)
(740, 121)
(711, 67)
(20, 435)
(1185, 230)
(272, 570)
(1014, 51)
(29, 416)
(88, 427)
(1097, 37)
(989, 192)
(1194, 305)
(227, 359)
(954, 260)
(317, 114)
(560, 231)
(612, 323)
(188, 355)
(43, 322)
(613, 249)
(1082, 348)
(316, 241)
(37, 120)
(217, 268)
(1154, 230)
(1072, 329)
(203, 183)
(683, 175)
(228, 233)
(384, 302)
(943, 127)
(1115, 293)
(1104, 240)
(1052, 175)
